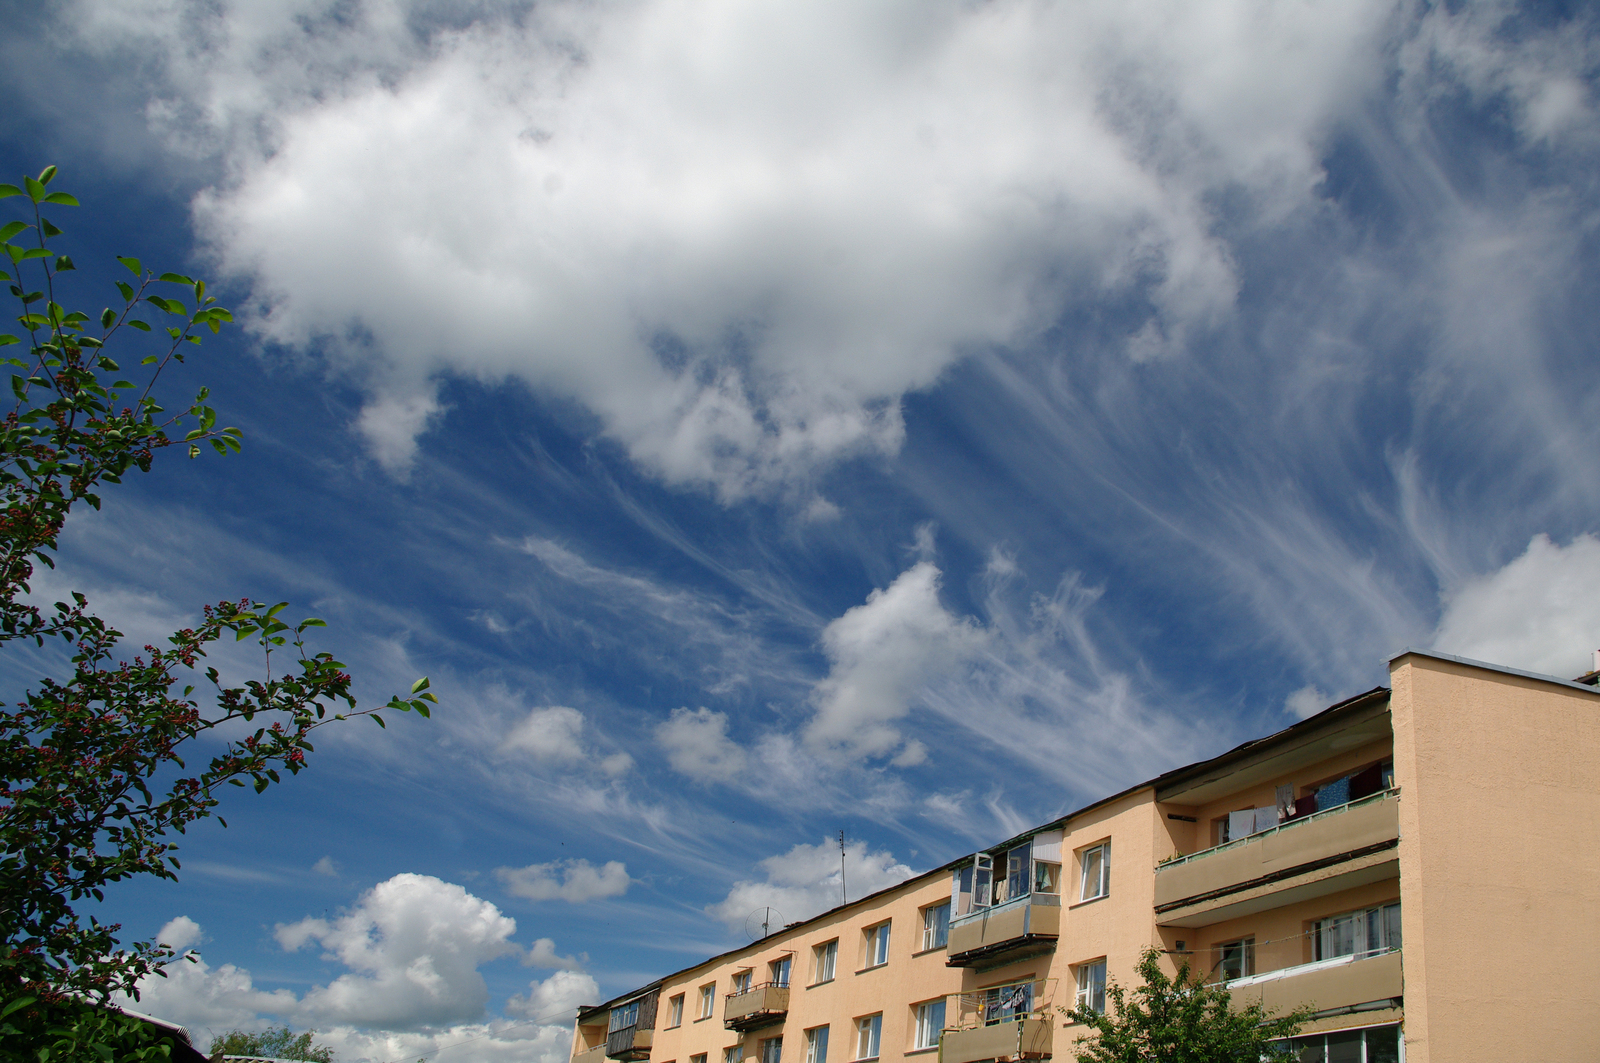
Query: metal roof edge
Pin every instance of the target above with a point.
(1486, 666)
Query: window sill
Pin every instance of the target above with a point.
(702, 1018)
(924, 952)
(864, 970)
(825, 981)
(1088, 900)
(864, 1059)
(922, 1051)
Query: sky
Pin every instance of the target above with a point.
(915, 419)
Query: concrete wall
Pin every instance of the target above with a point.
(1499, 863)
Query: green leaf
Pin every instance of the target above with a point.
(420, 685)
(20, 1002)
(379, 721)
(140, 325)
(64, 262)
(126, 290)
(174, 278)
(11, 230)
(62, 199)
(7, 340)
(32, 252)
(36, 190)
(6, 191)
(133, 266)
(50, 227)
(47, 174)
(108, 317)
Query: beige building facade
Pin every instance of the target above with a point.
(1419, 864)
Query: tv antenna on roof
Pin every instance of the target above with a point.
(761, 922)
(843, 897)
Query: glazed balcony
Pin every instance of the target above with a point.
(629, 1044)
(762, 1005)
(1342, 847)
(1362, 981)
(1019, 1038)
(1005, 932)
(597, 1054)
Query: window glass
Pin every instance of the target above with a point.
(772, 1050)
(1092, 986)
(1362, 933)
(1007, 1002)
(930, 1023)
(708, 995)
(675, 1011)
(1238, 959)
(1096, 872)
(827, 955)
(936, 926)
(982, 873)
(877, 945)
(733, 1055)
(1019, 871)
(817, 1045)
(625, 1016)
(741, 982)
(779, 972)
(1046, 877)
(868, 1030)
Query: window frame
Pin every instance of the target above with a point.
(824, 956)
(733, 1053)
(762, 1049)
(876, 939)
(675, 1011)
(922, 1013)
(1246, 947)
(708, 1001)
(869, 1033)
(741, 981)
(1100, 853)
(935, 935)
(783, 964)
(813, 1036)
(1087, 989)
(1388, 928)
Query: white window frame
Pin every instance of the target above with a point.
(780, 971)
(675, 1011)
(708, 1000)
(1091, 979)
(741, 981)
(1094, 872)
(817, 1044)
(930, 1023)
(935, 931)
(877, 945)
(869, 1036)
(1247, 957)
(826, 961)
(1360, 930)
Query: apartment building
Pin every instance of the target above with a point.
(1420, 864)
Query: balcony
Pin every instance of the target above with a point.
(762, 1005)
(1005, 932)
(629, 1044)
(1343, 847)
(1021, 1038)
(1355, 982)
(597, 1054)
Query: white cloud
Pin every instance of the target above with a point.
(391, 425)
(882, 653)
(738, 232)
(575, 881)
(805, 881)
(697, 745)
(180, 934)
(326, 866)
(1307, 701)
(556, 998)
(1541, 612)
(198, 996)
(414, 943)
(549, 734)
(544, 954)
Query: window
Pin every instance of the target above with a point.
(930, 1023)
(733, 1055)
(1092, 986)
(824, 957)
(1005, 1003)
(877, 946)
(675, 1011)
(936, 926)
(868, 1030)
(1096, 863)
(817, 1045)
(772, 1050)
(778, 972)
(741, 982)
(1238, 959)
(1376, 1044)
(700, 1058)
(1046, 877)
(708, 998)
(1019, 874)
(625, 1016)
(1363, 933)
(982, 880)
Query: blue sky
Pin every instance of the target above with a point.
(765, 420)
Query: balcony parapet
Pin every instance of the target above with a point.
(1020, 1038)
(1362, 980)
(762, 1005)
(1004, 932)
(629, 1044)
(1286, 852)
(597, 1054)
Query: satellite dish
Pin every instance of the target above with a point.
(762, 922)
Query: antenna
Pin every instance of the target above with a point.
(759, 923)
(843, 896)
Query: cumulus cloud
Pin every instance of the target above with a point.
(180, 934)
(544, 954)
(881, 654)
(1540, 612)
(739, 233)
(1307, 701)
(805, 882)
(549, 734)
(413, 945)
(557, 997)
(575, 881)
(196, 995)
(697, 745)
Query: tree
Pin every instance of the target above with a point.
(1179, 1020)
(93, 777)
(275, 1043)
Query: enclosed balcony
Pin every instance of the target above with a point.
(597, 1054)
(1009, 1022)
(1357, 982)
(629, 1044)
(631, 1028)
(1346, 846)
(762, 1005)
(1001, 933)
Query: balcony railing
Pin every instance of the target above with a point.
(1008, 1022)
(1027, 925)
(1294, 848)
(597, 1054)
(1370, 979)
(762, 1005)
